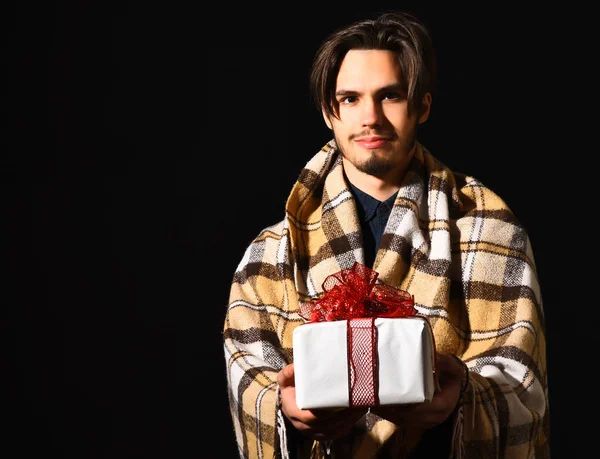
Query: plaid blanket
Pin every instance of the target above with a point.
(452, 243)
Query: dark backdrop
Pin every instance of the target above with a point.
(150, 144)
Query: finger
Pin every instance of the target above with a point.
(336, 425)
(285, 377)
(444, 363)
(338, 416)
(327, 418)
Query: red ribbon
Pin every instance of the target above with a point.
(363, 362)
(354, 293)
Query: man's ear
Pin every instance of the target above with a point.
(327, 119)
(425, 108)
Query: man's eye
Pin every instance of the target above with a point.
(392, 96)
(348, 100)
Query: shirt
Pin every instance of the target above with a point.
(373, 215)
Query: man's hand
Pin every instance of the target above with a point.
(429, 414)
(317, 424)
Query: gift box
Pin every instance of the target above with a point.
(363, 345)
(333, 371)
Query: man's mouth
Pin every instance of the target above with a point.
(371, 142)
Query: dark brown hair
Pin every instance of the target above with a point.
(399, 32)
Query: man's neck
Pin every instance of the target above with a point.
(378, 188)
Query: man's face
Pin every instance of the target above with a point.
(374, 132)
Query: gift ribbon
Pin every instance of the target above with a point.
(363, 374)
(354, 293)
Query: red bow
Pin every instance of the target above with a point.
(353, 293)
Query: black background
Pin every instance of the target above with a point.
(150, 143)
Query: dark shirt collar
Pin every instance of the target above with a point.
(367, 205)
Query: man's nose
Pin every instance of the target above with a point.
(372, 113)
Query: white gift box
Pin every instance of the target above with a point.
(398, 367)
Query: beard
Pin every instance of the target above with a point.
(375, 166)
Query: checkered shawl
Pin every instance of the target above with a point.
(453, 244)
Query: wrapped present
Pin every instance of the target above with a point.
(363, 345)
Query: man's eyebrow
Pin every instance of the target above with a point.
(397, 87)
(392, 88)
(346, 92)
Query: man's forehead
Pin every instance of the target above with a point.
(363, 70)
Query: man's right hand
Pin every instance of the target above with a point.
(321, 424)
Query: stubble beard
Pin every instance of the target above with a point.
(375, 165)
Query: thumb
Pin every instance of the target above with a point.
(285, 377)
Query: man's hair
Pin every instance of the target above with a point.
(399, 32)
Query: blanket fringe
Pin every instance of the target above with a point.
(321, 450)
(458, 449)
(281, 431)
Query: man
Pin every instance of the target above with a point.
(376, 196)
